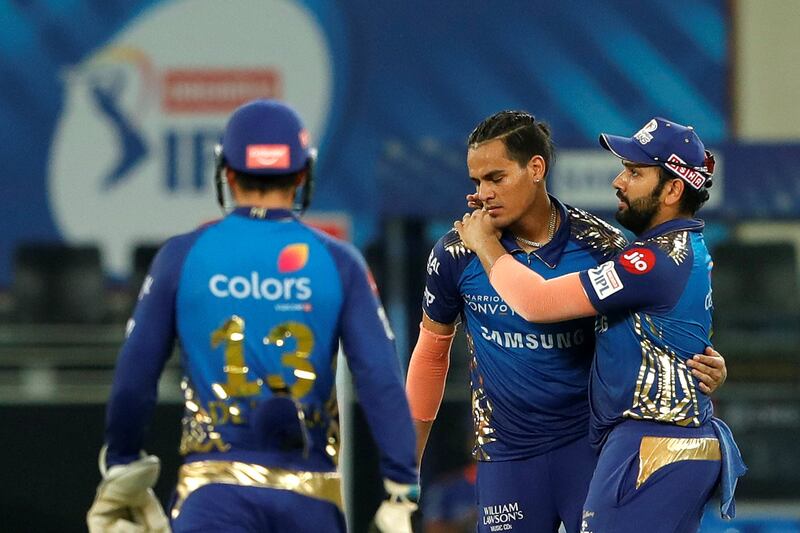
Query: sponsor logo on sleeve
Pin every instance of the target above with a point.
(429, 298)
(433, 264)
(605, 280)
(638, 261)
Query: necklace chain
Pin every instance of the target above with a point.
(551, 230)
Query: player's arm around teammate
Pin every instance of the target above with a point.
(655, 305)
(709, 368)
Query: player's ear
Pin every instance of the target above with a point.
(674, 191)
(537, 168)
(230, 176)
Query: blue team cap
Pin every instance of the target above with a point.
(265, 137)
(668, 144)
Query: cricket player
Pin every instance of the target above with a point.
(528, 381)
(258, 303)
(661, 451)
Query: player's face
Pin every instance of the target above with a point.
(639, 193)
(506, 189)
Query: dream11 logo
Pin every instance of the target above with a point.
(132, 156)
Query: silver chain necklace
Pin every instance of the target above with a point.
(551, 230)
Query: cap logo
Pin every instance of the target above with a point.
(268, 156)
(643, 135)
(690, 175)
(303, 138)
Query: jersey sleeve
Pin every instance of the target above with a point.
(368, 344)
(150, 335)
(441, 300)
(641, 277)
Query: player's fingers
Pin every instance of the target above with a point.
(712, 352)
(473, 202)
(704, 378)
(705, 389)
(710, 360)
(713, 366)
(714, 373)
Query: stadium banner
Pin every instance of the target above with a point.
(112, 112)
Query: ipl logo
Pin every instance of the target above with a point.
(132, 157)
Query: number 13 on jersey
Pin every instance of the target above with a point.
(232, 335)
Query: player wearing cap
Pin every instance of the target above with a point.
(258, 303)
(529, 381)
(661, 451)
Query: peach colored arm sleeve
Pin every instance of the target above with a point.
(536, 299)
(427, 373)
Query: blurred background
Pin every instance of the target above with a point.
(111, 109)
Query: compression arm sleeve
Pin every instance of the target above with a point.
(536, 299)
(427, 373)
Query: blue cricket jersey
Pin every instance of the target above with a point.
(528, 381)
(258, 303)
(654, 299)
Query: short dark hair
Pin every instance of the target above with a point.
(691, 199)
(523, 136)
(263, 184)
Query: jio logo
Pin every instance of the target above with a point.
(638, 260)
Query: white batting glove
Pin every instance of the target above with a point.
(394, 514)
(125, 501)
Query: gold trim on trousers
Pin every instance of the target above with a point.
(658, 452)
(324, 486)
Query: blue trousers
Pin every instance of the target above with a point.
(234, 509)
(653, 478)
(535, 495)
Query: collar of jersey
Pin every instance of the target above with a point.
(263, 214)
(550, 253)
(676, 224)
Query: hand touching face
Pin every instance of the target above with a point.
(476, 229)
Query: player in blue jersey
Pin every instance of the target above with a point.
(661, 451)
(529, 382)
(258, 303)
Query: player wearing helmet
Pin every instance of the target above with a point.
(258, 303)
